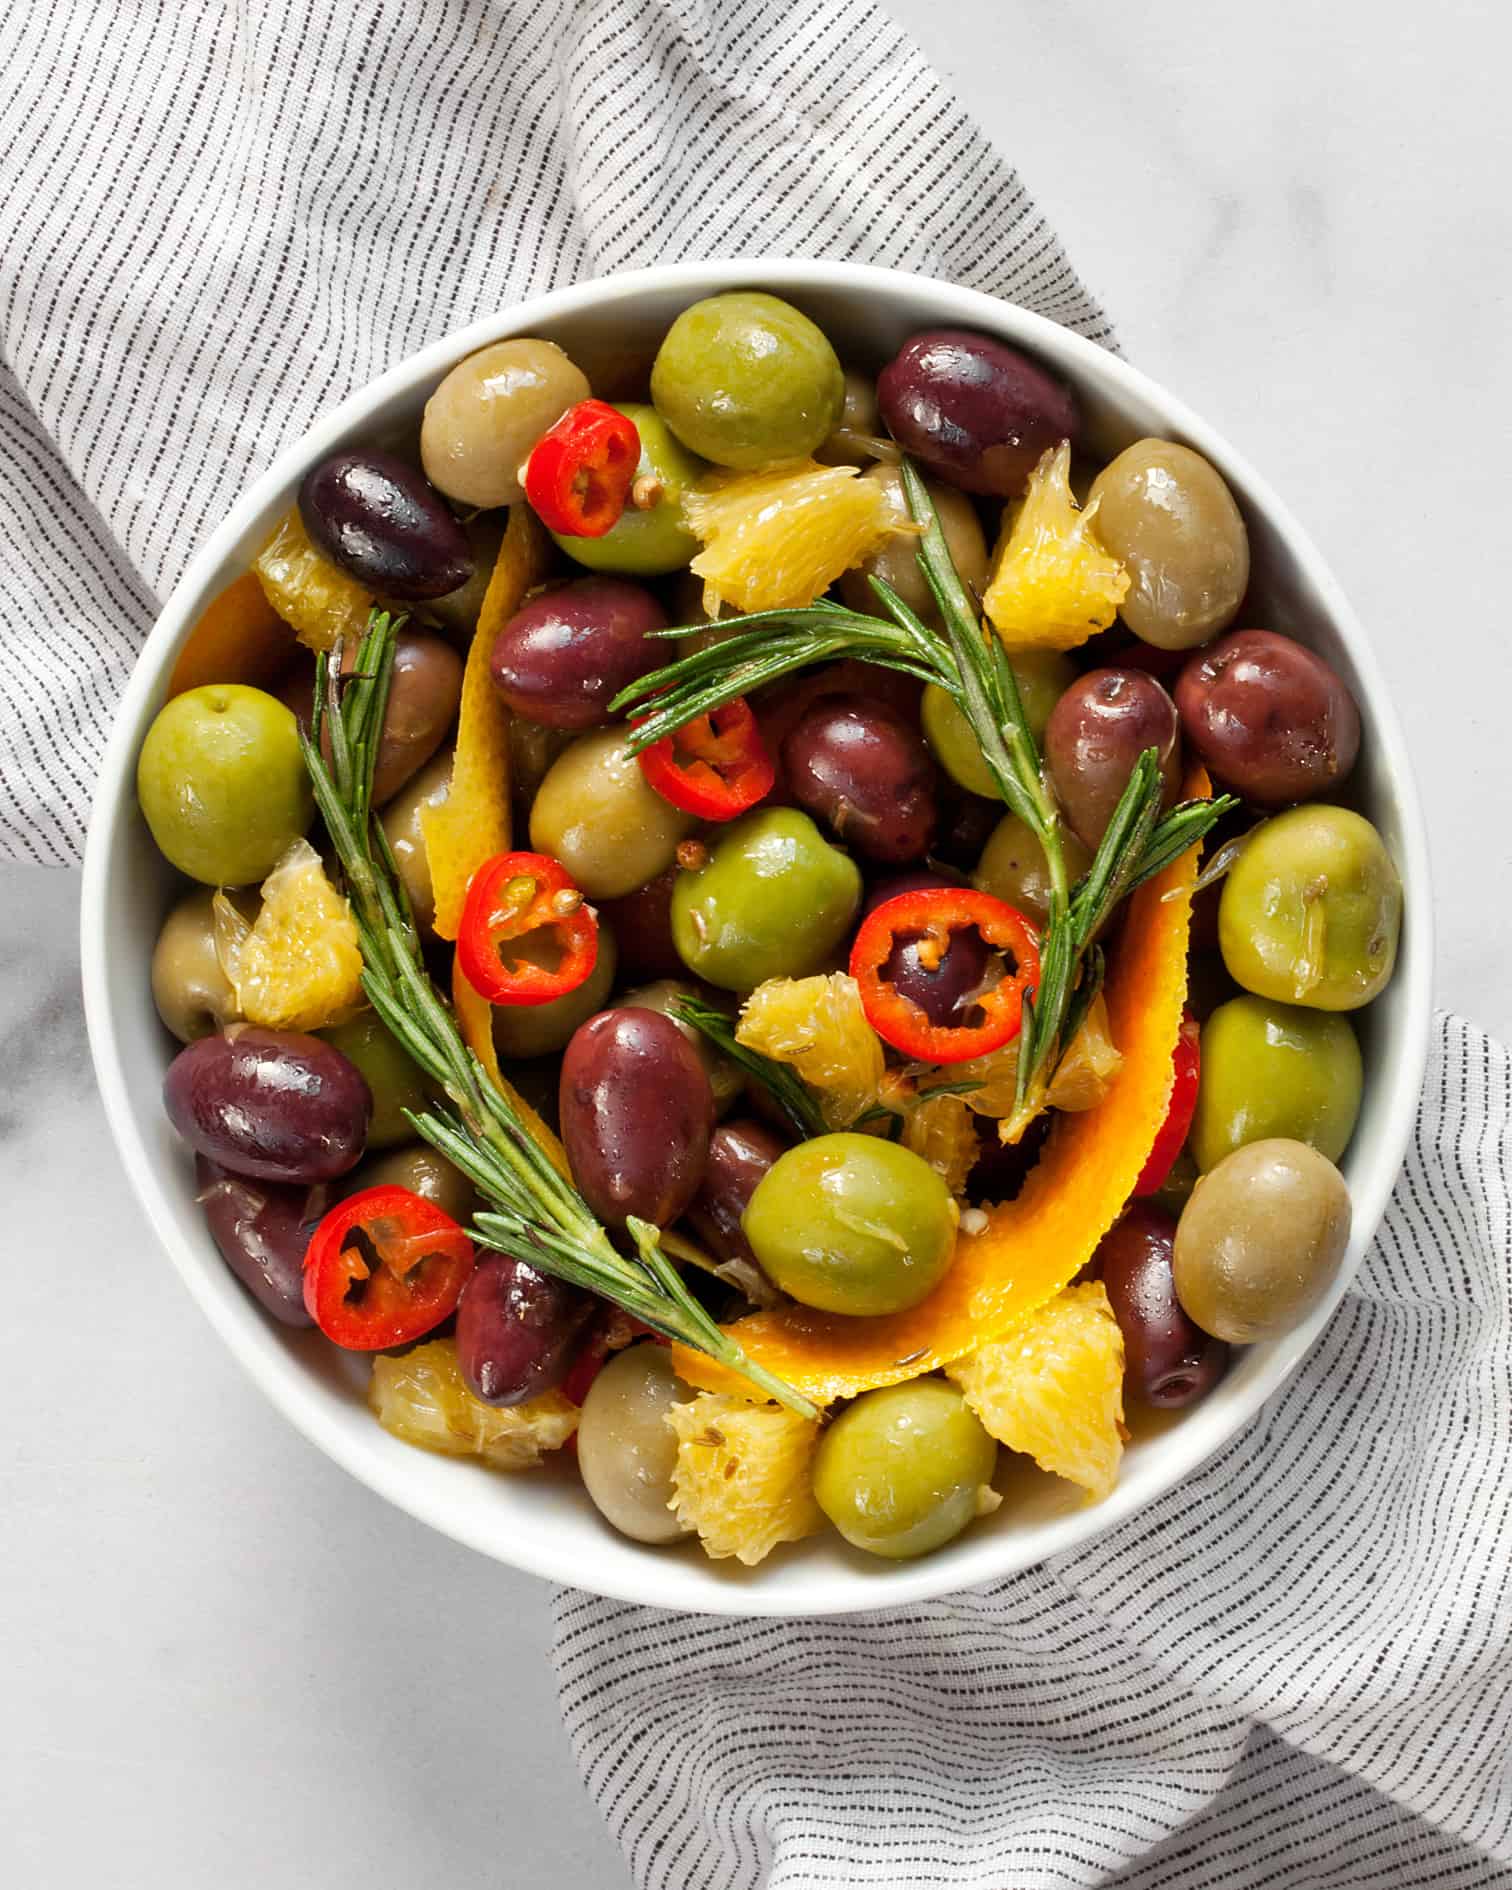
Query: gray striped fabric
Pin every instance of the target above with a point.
(1292, 1671)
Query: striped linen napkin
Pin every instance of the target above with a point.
(221, 216)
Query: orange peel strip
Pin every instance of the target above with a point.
(1034, 1244)
(475, 1021)
(240, 638)
(472, 823)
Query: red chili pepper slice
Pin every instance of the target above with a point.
(510, 897)
(1174, 1130)
(715, 766)
(580, 471)
(934, 914)
(384, 1267)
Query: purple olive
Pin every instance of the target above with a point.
(563, 657)
(274, 1105)
(385, 524)
(424, 691)
(973, 410)
(636, 1113)
(517, 1329)
(1097, 731)
(641, 922)
(262, 1229)
(965, 826)
(1168, 1361)
(857, 765)
(740, 1153)
(944, 994)
(1269, 717)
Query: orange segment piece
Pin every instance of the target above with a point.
(475, 1021)
(472, 823)
(240, 638)
(1033, 1244)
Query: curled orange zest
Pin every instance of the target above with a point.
(472, 823)
(475, 1021)
(1034, 1244)
(240, 638)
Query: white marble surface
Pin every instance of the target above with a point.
(224, 1663)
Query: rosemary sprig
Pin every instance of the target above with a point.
(533, 1212)
(792, 1095)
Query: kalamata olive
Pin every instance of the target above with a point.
(642, 922)
(637, 1113)
(1168, 1361)
(424, 691)
(965, 826)
(384, 523)
(272, 1104)
(975, 411)
(404, 827)
(563, 656)
(740, 1153)
(516, 1329)
(1096, 733)
(262, 1229)
(917, 879)
(947, 992)
(858, 766)
(1270, 718)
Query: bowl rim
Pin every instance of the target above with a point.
(974, 1559)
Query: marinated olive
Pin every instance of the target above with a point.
(516, 1329)
(1013, 866)
(193, 995)
(1166, 513)
(1168, 1361)
(852, 1224)
(404, 830)
(1096, 733)
(857, 439)
(1261, 1241)
(1043, 677)
(774, 901)
(966, 824)
(272, 1104)
(381, 522)
(637, 1113)
(262, 1229)
(564, 655)
(903, 1470)
(425, 687)
(418, 1167)
(457, 612)
(642, 923)
(483, 420)
(649, 538)
(858, 766)
(538, 1030)
(626, 1449)
(944, 988)
(532, 751)
(396, 1081)
(1311, 910)
(975, 411)
(1270, 718)
(1273, 1070)
(745, 379)
(222, 783)
(740, 1153)
(897, 561)
(597, 813)
(726, 1079)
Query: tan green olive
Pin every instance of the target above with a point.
(859, 438)
(401, 821)
(896, 561)
(539, 1030)
(1166, 512)
(418, 1167)
(903, 1470)
(1311, 910)
(1013, 866)
(626, 1448)
(1275, 1070)
(1043, 677)
(726, 1079)
(457, 611)
(597, 813)
(532, 749)
(396, 1081)
(1261, 1241)
(193, 995)
(483, 420)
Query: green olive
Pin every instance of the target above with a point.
(396, 1080)
(539, 1030)
(1261, 1241)
(626, 1448)
(903, 1470)
(403, 824)
(726, 1079)
(1013, 866)
(482, 421)
(532, 749)
(1311, 910)
(457, 611)
(193, 995)
(223, 785)
(896, 561)
(852, 1224)
(649, 540)
(419, 1168)
(597, 813)
(1043, 677)
(745, 379)
(774, 901)
(859, 438)
(1275, 1070)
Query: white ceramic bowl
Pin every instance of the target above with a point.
(544, 1523)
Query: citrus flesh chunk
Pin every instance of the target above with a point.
(423, 1399)
(776, 540)
(298, 966)
(744, 1478)
(1052, 585)
(818, 1027)
(310, 593)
